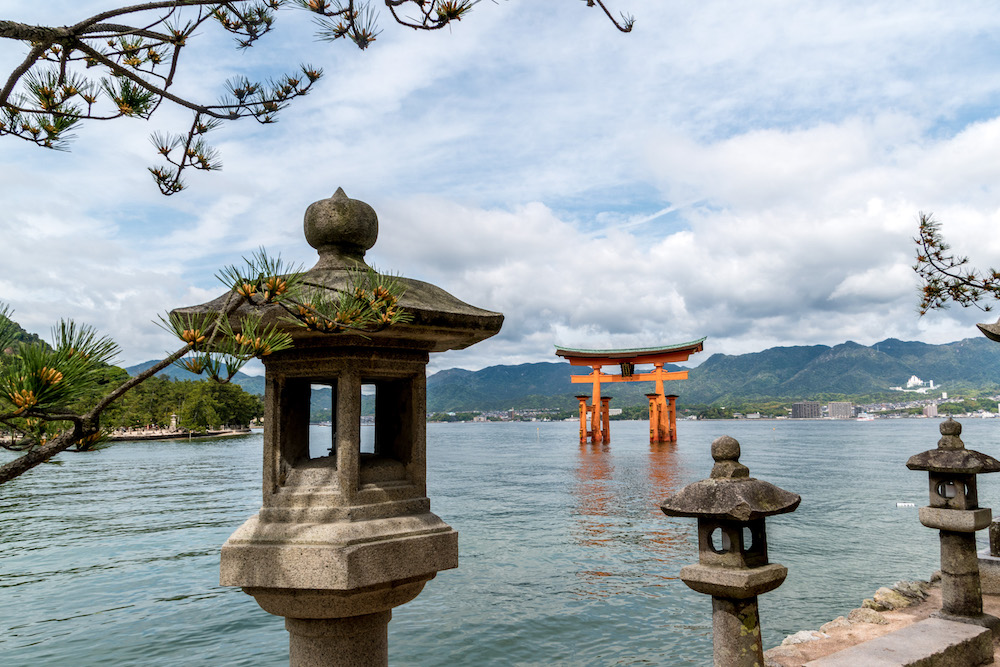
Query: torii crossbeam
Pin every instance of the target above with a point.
(662, 408)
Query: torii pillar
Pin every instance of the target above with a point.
(654, 417)
(672, 417)
(584, 433)
(606, 417)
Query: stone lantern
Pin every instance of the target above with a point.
(732, 550)
(346, 535)
(954, 510)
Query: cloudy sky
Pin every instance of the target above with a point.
(747, 171)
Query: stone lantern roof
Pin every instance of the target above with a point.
(342, 230)
(951, 456)
(730, 493)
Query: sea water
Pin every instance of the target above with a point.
(111, 558)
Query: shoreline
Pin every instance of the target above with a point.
(889, 610)
(177, 435)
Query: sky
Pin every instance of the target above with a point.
(747, 171)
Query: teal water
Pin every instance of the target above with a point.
(112, 558)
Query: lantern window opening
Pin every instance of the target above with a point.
(947, 489)
(719, 541)
(953, 492)
(369, 407)
(755, 543)
(387, 455)
(323, 435)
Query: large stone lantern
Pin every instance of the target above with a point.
(346, 534)
(954, 510)
(732, 550)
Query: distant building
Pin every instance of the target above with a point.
(915, 384)
(930, 410)
(840, 410)
(807, 410)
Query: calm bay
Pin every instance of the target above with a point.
(565, 558)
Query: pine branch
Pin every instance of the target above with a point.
(136, 52)
(944, 276)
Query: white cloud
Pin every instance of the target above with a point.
(751, 172)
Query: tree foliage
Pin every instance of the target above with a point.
(158, 399)
(124, 63)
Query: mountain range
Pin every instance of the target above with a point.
(814, 372)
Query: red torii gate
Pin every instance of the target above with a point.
(662, 409)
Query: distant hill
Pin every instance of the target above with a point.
(321, 398)
(22, 336)
(252, 384)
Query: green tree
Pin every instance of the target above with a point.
(234, 406)
(124, 62)
(198, 410)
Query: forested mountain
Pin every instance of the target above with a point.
(22, 336)
(253, 384)
(780, 373)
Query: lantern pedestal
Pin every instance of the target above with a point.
(738, 622)
(339, 642)
(735, 620)
(736, 584)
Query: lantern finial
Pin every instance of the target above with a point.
(950, 432)
(726, 452)
(341, 229)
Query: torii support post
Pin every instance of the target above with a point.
(672, 417)
(596, 434)
(583, 419)
(606, 417)
(654, 420)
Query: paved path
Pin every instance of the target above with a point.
(797, 655)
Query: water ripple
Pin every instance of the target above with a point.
(112, 558)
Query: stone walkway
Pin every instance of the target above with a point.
(844, 634)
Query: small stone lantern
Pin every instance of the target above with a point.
(347, 534)
(732, 550)
(954, 510)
